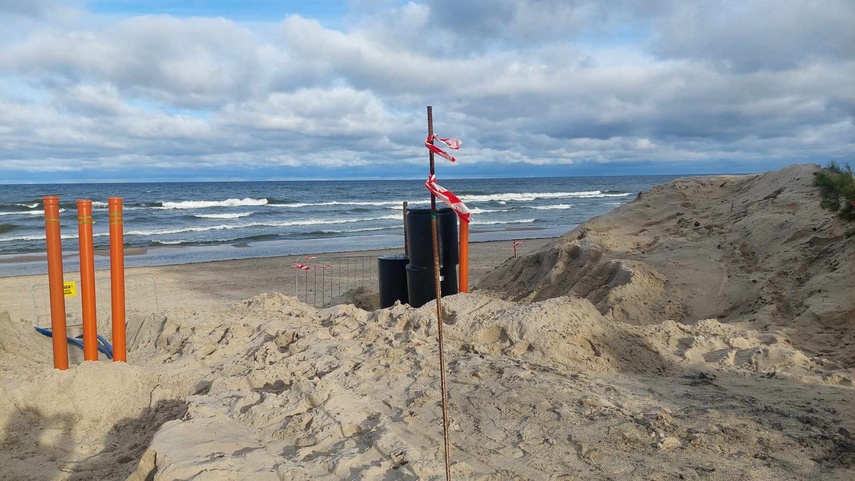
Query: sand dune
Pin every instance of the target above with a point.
(584, 370)
(754, 249)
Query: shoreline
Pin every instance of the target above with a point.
(24, 264)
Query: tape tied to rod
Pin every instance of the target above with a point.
(51, 220)
(116, 219)
(82, 220)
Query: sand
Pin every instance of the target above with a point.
(565, 363)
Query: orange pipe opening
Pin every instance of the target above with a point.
(87, 280)
(53, 240)
(464, 257)
(117, 278)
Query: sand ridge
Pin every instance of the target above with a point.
(754, 249)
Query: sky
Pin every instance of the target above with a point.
(132, 90)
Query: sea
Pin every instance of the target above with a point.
(185, 222)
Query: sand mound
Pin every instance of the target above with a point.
(570, 332)
(270, 388)
(20, 341)
(755, 249)
(94, 421)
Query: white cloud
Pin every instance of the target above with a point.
(541, 82)
(335, 112)
(92, 99)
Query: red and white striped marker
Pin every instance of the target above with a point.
(451, 143)
(449, 198)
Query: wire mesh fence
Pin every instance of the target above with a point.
(322, 281)
(141, 300)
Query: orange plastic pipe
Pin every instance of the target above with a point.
(464, 257)
(87, 280)
(117, 278)
(53, 239)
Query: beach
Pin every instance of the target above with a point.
(217, 284)
(703, 331)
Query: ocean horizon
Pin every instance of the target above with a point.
(186, 222)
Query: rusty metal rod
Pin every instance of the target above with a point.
(442, 379)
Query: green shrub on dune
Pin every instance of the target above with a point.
(837, 190)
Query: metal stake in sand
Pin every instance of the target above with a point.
(57, 293)
(117, 278)
(87, 280)
(323, 269)
(516, 243)
(438, 306)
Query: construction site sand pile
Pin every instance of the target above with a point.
(543, 385)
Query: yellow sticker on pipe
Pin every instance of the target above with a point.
(70, 288)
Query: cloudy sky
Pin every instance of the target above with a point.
(178, 90)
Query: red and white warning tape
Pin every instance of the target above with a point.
(451, 143)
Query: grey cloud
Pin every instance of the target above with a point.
(191, 63)
(743, 36)
(683, 104)
(758, 34)
(509, 20)
(29, 8)
(484, 24)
